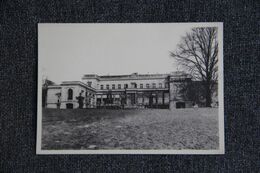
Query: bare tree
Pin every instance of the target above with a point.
(197, 54)
(45, 84)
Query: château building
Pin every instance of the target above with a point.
(119, 91)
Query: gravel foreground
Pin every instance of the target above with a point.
(90, 129)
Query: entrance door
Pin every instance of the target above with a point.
(99, 101)
(151, 100)
(69, 106)
(132, 99)
(180, 105)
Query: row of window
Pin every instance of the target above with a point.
(119, 86)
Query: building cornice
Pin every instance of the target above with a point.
(132, 89)
(133, 76)
(54, 86)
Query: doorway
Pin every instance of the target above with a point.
(69, 106)
(180, 105)
(151, 100)
(132, 96)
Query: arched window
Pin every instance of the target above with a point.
(70, 94)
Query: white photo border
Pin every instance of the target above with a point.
(221, 149)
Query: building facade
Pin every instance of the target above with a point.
(119, 91)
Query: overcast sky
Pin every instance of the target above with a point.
(68, 51)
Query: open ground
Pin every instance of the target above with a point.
(130, 129)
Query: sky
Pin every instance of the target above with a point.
(68, 51)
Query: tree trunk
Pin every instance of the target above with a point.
(44, 97)
(208, 94)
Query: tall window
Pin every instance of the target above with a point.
(113, 86)
(119, 86)
(89, 83)
(126, 86)
(102, 87)
(141, 86)
(70, 94)
(160, 85)
(107, 87)
(154, 85)
(147, 85)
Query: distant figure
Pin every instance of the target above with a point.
(195, 105)
(58, 104)
(214, 104)
(58, 101)
(80, 101)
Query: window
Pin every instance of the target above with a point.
(119, 86)
(113, 86)
(166, 85)
(102, 87)
(160, 85)
(126, 86)
(147, 85)
(154, 85)
(107, 87)
(89, 83)
(141, 86)
(70, 94)
(69, 106)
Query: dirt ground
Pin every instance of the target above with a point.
(130, 129)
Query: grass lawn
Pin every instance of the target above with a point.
(130, 129)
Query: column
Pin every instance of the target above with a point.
(156, 98)
(163, 97)
(142, 99)
(136, 101)
(101, 102)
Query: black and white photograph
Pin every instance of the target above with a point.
(130, 88)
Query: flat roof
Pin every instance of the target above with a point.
(125, 77)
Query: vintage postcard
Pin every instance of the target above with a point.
(135, 88)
